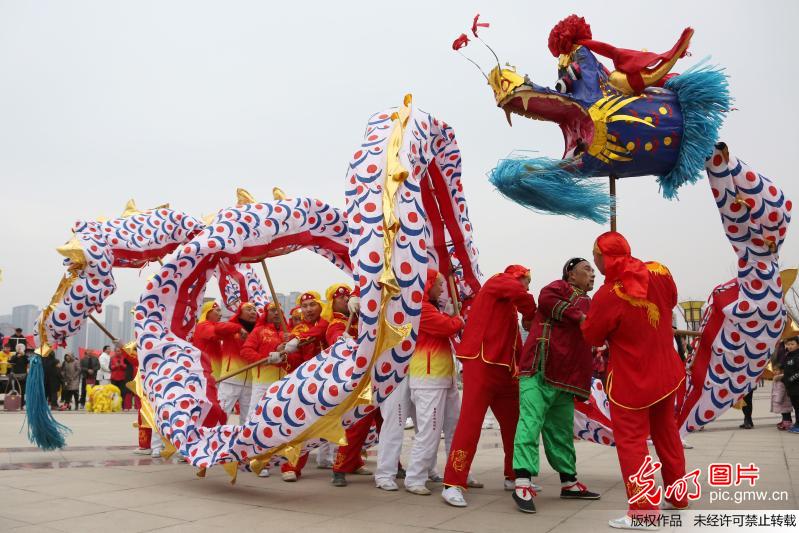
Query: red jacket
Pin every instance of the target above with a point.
(260, 343)
(118, 367)
(208, 338)
(335, 328)
(431, 363)
(555, 336)
(313, 334)
(492, 328)
(644, 367)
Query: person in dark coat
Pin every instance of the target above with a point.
(52, 379)
(70, 376)
(89, 366)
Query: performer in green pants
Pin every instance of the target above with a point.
(555, 367)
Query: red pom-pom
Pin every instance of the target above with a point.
(460, 42)
(567, 33)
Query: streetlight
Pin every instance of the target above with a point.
(692, 312)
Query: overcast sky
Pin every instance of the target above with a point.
(182, 102)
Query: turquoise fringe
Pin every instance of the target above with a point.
(704, 95)
(43, 430)
(549, 186)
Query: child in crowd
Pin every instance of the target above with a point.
(790, 377)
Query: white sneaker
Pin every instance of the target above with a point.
(625, 523)
(142, 451)
(454, 496)
(685, 445)
(409, 423)
(419, 490)
(386, 484)
(155, 453)
(264, 473)
(289, 476)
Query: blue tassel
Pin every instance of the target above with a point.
(704, 95)
(43, 430)
(551, 186)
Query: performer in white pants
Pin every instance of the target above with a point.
(266, 342)
(239, 387)
(394, 410)
(431, 377)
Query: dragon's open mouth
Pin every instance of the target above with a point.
(543, 104)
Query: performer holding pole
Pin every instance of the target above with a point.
(431, 377)
(239, 387)
(631, 312)
(307, 341)
(343, 322)
(488, 350)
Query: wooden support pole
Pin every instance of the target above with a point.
(275, 301)
(103, 328)
(454, 294)
(613, 203)
(258, 362)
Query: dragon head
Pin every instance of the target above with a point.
(605, 131)
(577, 89)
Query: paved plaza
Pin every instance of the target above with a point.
(98, 484)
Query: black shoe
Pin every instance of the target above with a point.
(339, 479)
(523, 496)
(400, 473)
(747, 425)
(578, 491)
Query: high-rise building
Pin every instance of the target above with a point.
(112, 324)
(24, 316)
(6, 326)
(96, 339)
(127, 321)
(77, 341)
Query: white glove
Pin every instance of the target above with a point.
(274, 358)
(291, 346)
(449, 308)
(354, 304)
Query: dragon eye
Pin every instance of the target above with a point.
(563, 85)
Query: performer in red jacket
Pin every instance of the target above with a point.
(488, 350)
(208, 335)
(308, 336)
(632, 312)
(237, 388)
(308, 341)
(431, 378)
(265, 342)
(555, 367)
(348, 458)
